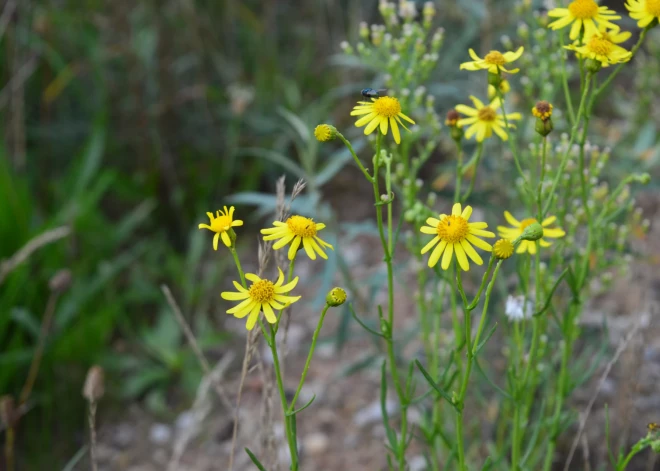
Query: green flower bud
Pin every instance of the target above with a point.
(494, 79)
(594, 65)
(532, 232)
(336, 297)
(544, 127)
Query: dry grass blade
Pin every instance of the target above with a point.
(200, 410)
(585, 415)
(7, 13)
(187, 331)
(7, 266)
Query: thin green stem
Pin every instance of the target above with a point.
(480, 151)
(512, 144)
(564, 81)
(564, 160)
(539, 189)
(459, 171)
(315, 337)
(357, 160)
(241, 273)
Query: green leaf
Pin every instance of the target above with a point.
(435, 386)
(309, 403)
(27, 320)
(495, 386)
(364, 326)
(254, 459)
(301, 128)
(391, 436)
(488, 336)
(274, 157)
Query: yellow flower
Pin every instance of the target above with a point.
(295, 230)
(221, 224)
(583, 13)
(644, 10)
(505, 87)
(493, 61)
(483, 120)
(512, 233)
(262, 295)
(384, 111)
(602, 47)
(454, 234)
(543, 110)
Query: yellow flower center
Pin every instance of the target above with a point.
(653, 7)
(526, 222)
(495, 58)
(487, 114)
(453, 229)
(583, 9)
(221, 223)
(600, 46)
(262, 291)
(387, 106)
(301, 226)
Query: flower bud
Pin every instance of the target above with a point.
(94, 387)
(532, 232)
(336, 297)
(325, 132)
(503, 249)
(594, 65)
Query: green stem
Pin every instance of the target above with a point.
(291, 439)
(512, 145)
(459, 171)
(315, 337)
(564, 160)
(564, 80)
(238, 266)
(480, 149)
(357, 160)
(539, 189)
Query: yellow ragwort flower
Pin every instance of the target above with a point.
(221, 224)
(512, 233)
(505, 87)
(384, 112)
(494, 61)
(262, 295)
(454, 234)
(583, 13)
(602, 47)
(484, 119)
(297, 230)
(645, 11)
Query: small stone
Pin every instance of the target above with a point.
(184, 421)
(316, 443)
(160, 434)
(123, 435)
(372, 413)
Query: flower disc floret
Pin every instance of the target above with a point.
(221, 223)
(262, 296)
(644, 11)
(325, 132)
(503, 249)
(583, 15)
(384, 113)
(512, 233)
(454, 234)
(542, 110)
(297, 231)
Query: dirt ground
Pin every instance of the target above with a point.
(342, 430)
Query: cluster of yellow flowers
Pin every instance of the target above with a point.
(264, 295)
(453, 234)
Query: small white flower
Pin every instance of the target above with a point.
(514, 308)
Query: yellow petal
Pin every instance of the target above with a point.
(293, 248)
(467, 212)
(469, 250)
(395, 131)
(269, 313)
(232, 296)
(252, 277)
(308, 248)
(456, 209)
(287, 287)
(253, 318)
(510, 219)
(461, 257)
(435, 255)
(446, 258)
(430, 245)
(216, 237)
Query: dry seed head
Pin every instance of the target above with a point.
(94, 387)
(60, 281)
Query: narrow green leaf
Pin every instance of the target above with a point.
(552, 292)
(364, 326)
(488, 336)
(274, 157)
(254, 459)
(435, 386)
(294, 412)
(495, 386)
